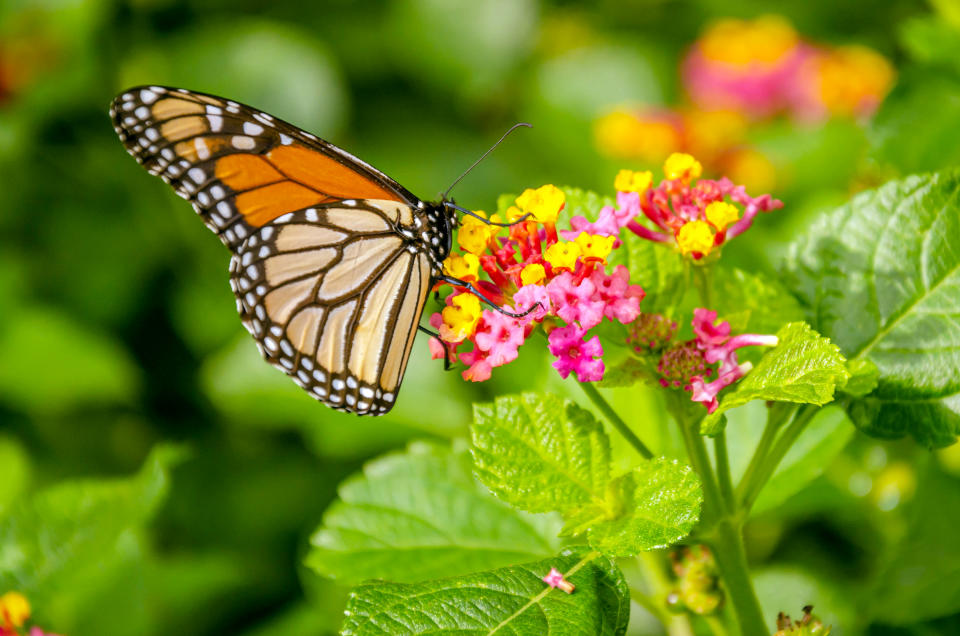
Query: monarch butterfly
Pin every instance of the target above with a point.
(332, 259)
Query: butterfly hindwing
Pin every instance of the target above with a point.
(333, 297)
(239, 167)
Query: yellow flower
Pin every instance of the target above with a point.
(465, 267)
(544, 203)
(593, 246)
(763, 41)
(721, 214)
(695, 236)
(14, 609)
(682, 166)
(643, 136)
(513, 213)
(474, 235)
(460, 318)
(630, 181)
(562, 255)
(532, 274)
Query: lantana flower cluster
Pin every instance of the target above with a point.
(763, 67)
(563, 284)
(703, 366)
(697, 215)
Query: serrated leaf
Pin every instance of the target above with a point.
(659, 503)
(804, 367)
(418, 515)
(881, 278)
(512, 600)
(70, 527)
(540, 453)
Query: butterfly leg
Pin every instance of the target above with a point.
(462, 283)
(447, 364)
(451, 204)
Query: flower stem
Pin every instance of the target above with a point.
(776, 416)
(701, 279)
(614, 419)
(723, 471)
(784, 442)
(728, 550)
(697, 452)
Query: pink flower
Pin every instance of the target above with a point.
(555, 580)
(500, 336)
(707, 393)
(575, 302)
(703, 327)
(621, 300)
(527, 297)
(573, 354)
(479, 367)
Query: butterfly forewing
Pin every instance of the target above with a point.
(332, 259)
(240, 167)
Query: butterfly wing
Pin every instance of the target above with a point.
(328, 277)
(333, 297)
(239, 167)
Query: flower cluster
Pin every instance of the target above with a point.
(698, 215)
(763, 67)
(561, 284)
(690, 365)
(14, 613)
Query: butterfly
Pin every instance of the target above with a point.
(332, 260)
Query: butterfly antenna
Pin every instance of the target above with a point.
(484, 156)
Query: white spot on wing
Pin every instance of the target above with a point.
(242, 142)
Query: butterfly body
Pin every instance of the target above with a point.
(332, 259)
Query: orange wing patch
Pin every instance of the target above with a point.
(263, 205)
(325, 174)
(244, 172)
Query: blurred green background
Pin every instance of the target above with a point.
(118, 330)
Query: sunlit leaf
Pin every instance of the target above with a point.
(512, 600)
(420, 515)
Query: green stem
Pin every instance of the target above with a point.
(728, 550)
(769, 466)
(701, 279)
(614, 419)
(776, 416)
(723, 471)
(697, 452)
(715, 623)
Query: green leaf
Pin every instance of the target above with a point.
(658, 504)
(56, 535)
(881, 278)
(822, 440)
(512, 600)
(419, 515)
(540, 452)
(804, 367)
(933, 423)
(52, 365)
